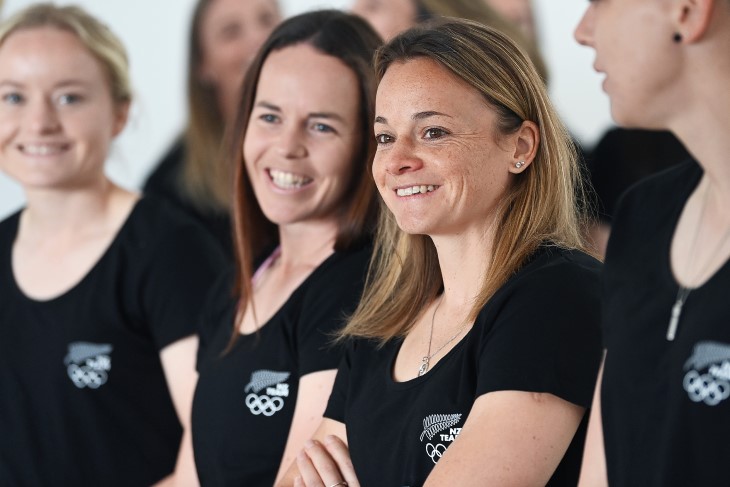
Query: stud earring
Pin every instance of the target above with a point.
(677, 37)
(520, 164)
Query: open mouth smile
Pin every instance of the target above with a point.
(288, 180)
(414, 190)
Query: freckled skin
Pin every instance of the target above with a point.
(455, 148)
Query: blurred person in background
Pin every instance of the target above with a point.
(194, 174)
(390, 17)
(99, 287)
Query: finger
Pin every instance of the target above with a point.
(308, 475)
(326, 466)
(341, 455)
(298, 482)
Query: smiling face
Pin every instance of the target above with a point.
(439, 166)
(303, 135)
(634, 48)
(57, 116)
(231, 33)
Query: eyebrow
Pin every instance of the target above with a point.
(62, 84)
(325, 115)
(416, 116)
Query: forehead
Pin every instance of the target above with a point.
(222, 11)
(303, 76)
(423, 83)
(47, 53)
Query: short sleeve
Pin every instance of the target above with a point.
(183, 268)
(546, 335)
(327, 304)
(338, 398)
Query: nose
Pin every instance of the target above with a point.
(43, 118)
(291, 143)
(584, 30)
(400, 159)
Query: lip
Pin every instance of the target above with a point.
(287, 181)
(424, 189)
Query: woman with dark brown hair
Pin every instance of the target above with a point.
(304, 196)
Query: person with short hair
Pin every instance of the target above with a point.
(663, 399)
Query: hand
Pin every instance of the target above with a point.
(325, 464)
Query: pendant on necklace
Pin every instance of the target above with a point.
(674, 320)
(424, 366)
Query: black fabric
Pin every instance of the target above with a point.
(665, 405)
(83, 397)
(540, 333)
(244, 402)
(625, 156)
(165, 182)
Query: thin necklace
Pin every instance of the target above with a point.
(683, 291)
(426, 360)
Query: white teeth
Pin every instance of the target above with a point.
(42, 149)
(287, 180)
(422, 189)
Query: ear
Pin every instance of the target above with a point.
(525, 142)
(692, 18)
(121, 115)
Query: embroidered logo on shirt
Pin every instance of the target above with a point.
(708, 376)
(88, 364)
(276, 390)
(435, 426)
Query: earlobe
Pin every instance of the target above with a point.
(693, 19)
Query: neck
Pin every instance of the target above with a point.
(464, 261)
(703, 123)
(56, 211)
(306, 244)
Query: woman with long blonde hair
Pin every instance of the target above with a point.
(474, 351)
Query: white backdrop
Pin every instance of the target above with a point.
(155, 33)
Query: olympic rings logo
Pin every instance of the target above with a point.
(706, 388)
(435, 452)
(87, 377)
(264, 404)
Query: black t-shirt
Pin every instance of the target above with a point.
(83, 397)
(625, 156)
(665, 404)
(540, 333)
(165, 181)
(244, 402)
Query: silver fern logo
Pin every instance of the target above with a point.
(277, 389)
(88, 364)
(442, 427)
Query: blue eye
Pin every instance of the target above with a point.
(69, 99)
(12, 98)
(321, 127)
(269, 118)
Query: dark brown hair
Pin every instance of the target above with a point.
(351, 40)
